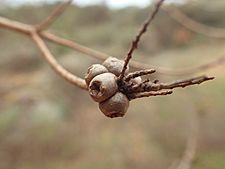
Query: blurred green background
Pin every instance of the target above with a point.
(47, 123)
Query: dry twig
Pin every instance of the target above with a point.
(192, 141)
(193, 25)
(189, 153)
(152, 93)
(180, 72)
(53, 16)
(149, 86)
(33, 33)
(55, 65)
(135, 42)
(27, 29)
(144, 89)
(138, 73)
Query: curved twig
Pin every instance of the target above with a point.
(191, 143)
(190, 149)
(55, 65)
(191, 146)
(37, 33)
(193, 25)
(180, 72)
(33, 32)
(26, 29)
(53, 16)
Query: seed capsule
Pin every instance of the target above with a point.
(93, 71)
(136, 80)
(114, 65)
(116, 106)
(103, 86)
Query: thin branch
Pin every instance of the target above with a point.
(191, 146)
(180, 72)
(148, 94)
(150, 89)
(193, 25)
(55, 65)
(135, 87)
(189, 152)
(138, 73)
(75, 46)
(149, 86)
(135, 42)
(182, 83)
(140, 87)
(15, 26)
(53, 16)
(191, 143)
(27, 29)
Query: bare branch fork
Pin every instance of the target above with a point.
(26, 29)
(55, 65)
(37, 33)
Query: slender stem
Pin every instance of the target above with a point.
(149, 86)
(55, 65)
(53, 16)
(135, 42)
(27, 29)
(148, 94)
(138, 73)
(193, 25)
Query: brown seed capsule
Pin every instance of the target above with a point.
(136, 80)
(116, 106)
(103, 86)
(114, 65)
(93, 71)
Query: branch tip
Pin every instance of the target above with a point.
(59, 9)
(135, 42)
